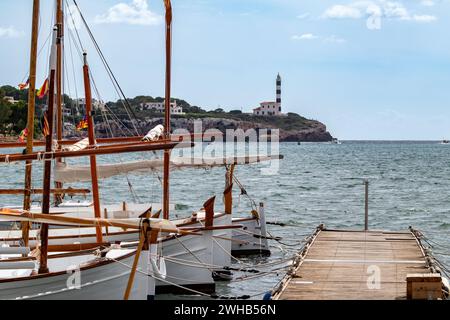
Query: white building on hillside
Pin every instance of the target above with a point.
(10, 99)
(81, 103)
(160, 107)
(271, 108)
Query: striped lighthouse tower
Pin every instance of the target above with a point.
(279, 93)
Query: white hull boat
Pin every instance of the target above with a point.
(190, 261)
(251, 240)
(74, 277)
(187, 262)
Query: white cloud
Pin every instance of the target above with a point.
(424, 18)
(10, 32)
(136, 13)
(343, 12)
(306, 36)
(310, 36)
(393, 10)
(374, 10)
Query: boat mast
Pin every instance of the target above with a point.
(30, 121)
(59, 83)
(228, 193)
(43, 268)
(166, 195)
(92, 143)
(59, 69)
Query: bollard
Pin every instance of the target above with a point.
(366, 223)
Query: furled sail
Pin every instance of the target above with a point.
(80, 145)
(211, 162)
(70, 174)
(154, 134)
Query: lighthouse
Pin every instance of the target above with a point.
(279, 92)
(271, 108)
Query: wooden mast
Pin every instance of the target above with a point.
(228, 199)
(228, 193)
(31, 112)
(59, 83)
(92, 142)
(166, 195)
(59, 70)
(43, 268)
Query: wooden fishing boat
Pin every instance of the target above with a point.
(188, 263)
(86, 274)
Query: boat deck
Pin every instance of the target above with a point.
(341, 265)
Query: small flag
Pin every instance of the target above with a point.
(25, 85)
(23, 135)
(45, 127)
(42, 92)
(83, 124)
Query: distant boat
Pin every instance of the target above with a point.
(336, 141)
(445, 141)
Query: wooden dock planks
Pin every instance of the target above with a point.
(341, 265)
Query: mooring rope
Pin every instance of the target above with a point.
(226, 268)
(212, 296)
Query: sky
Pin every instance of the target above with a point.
(377, 70)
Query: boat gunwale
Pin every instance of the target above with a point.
(99, 262)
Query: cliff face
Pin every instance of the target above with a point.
(305, 130)
(317, 133)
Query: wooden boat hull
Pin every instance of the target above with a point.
(184, 255)
(106, 280)
(99, 279)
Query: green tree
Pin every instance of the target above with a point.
(18, 117)
(5, 114)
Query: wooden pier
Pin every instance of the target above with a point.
(361, 265)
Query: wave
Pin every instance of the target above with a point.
(444, 225)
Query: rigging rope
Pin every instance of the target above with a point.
(245, 193)
(117, 86)
(105, 107)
